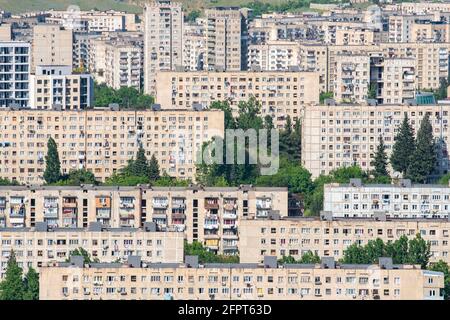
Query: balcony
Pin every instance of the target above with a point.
(160, 204)
(264, 204)
(211, 225)
(126, 205)
(69, 203)
(178, 205)
(51, 213)
(178, 215)
(103, 213)
(230, 216)
(230, 206)
(211, 205)
(126, 215)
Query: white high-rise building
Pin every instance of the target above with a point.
(163, 45)
(14, 73)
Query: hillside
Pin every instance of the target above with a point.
(19, 6)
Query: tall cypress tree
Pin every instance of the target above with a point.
(404, 147)
(140, 166)
(52, 171)
(12, 287)
(31, 285)
(380, 160)
(153, 169)
(423, 159)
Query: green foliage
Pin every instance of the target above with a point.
(290, 141)
(423, 159)
(76, 178)
(444, 179)
(314, 200)
(290, 175)
(12, 287)
(82, 252)
(307, 258)
(205, 256)
(372, 93)
(153, 169)
(380, 160)
(121, 179)
(193, 15)
(52, 171)
(126, 97)
(167, 181)
(31, 284)
(403, 148)
(402, 251)
(325, 95)
(442, 266)
(6, 182)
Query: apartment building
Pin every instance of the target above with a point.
(227, 39)
(430, 60)
(37, 247)
(335, 136)
(52, 45)
(404, 200)
(5, 32)
(392, 79)
(352, 78)
(357, 36)
(274, 56)
(401, 26)
(419, 8)
(58, 87)
(430, 31)
(281, 93)
(14, 73)
(325, 281)
(124, 64)
(330, 236)
(103, 140)
(194, 45)
(94, 21)
(163, 40)
(208, 215)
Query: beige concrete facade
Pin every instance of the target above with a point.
(208, 215)
(280, 93)
(58, 87)
(239, 282)
(352, 78)
(226, 36)
(103, 140)
(274, 55)
(330, 238)
(52, 45)
(163, 40)
(39, 248)
(341, 135)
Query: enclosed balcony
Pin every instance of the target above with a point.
(263, 203)
(160, 202)
(126, 202)
(211, 203)
(2, 202)
(103, 202)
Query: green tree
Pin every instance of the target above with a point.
(140, 166)
(153, 169)
(52, 171)
(398, 250)
(380, 160)
(76, 178)
(419, 251)
(290, 175)
(82, 252)
(309, 257)
(31, 285)
(403, 148)
(193, 15)
(423, 159)
(12, 287)
(325, 95)
(205, 256)
(372, 94)
(355, 254)
(6, 182)
(442, 266)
